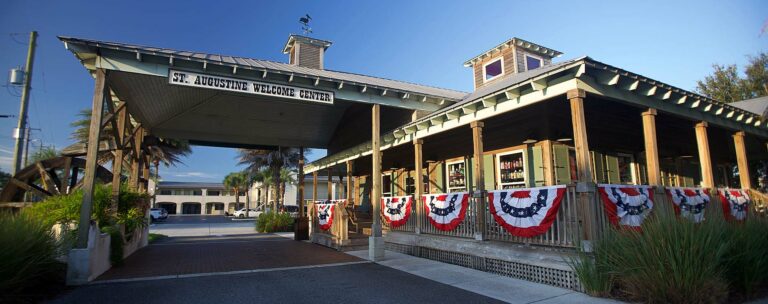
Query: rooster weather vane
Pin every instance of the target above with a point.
(305, 24)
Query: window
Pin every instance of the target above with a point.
(214, 192)
(197, 192)
(386, 185)
(626, 168)
(493, 69)
(166, 192)
(532, 62)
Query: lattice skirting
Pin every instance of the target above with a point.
(534, 273)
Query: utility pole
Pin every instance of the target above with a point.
(27, 139)
(20, 130)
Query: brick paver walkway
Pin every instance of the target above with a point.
(190, 255)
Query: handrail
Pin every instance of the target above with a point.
(760, 200)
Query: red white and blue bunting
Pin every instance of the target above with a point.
(446, 211)
(735, 203)
(396, 210)
(324, 212)
(689, 202)
(526, 212)
(626, 205)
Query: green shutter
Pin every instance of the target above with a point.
(440, 177)
(469, 173)
(562, 165)
(489, 173)
(396, 186)
(612, 169)
(643, 174)
(536, 167)
(599, 163)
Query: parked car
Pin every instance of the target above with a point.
(242, 214)
(158, 214)
(293, 210)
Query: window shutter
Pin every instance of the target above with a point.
(562, 164)
(536, 167)
(599, 166)
(490, 174)
(612, 169)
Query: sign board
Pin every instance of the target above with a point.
(196, 80)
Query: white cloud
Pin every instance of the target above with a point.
(193, 174)
(6, 150)
(6, 163)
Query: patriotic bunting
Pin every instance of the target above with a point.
(625, 204)
(689, 202)
(735, 203)
(396, 210)
(325, 214)
(526, 212)
(446, 211)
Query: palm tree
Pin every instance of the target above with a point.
(236, 181)
(264, 177)
(286, 178)
(164, 150)
(257, 159)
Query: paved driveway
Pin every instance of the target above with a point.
(202, 225)
(194, 255)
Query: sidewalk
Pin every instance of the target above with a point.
(204, 229)
(491, 285)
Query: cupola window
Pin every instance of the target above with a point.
(493, 69)
(532, 62)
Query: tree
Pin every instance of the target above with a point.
(726, 85)
(264, 177)
(4, 178)
(43, 153)
(282, 157)
(236, 181)
(286, 178)
(168, 152)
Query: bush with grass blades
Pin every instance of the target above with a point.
(274, 222)
(28, 255)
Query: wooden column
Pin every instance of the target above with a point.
(585, 196)
(651, 148)
(117, 162)
(300, 201)
(144, 174)
(330, 184)
(478, 193)
(418, 182)
(100, 91)
(136, 160)
(350, 185)
(314, 187)
(741, 160)
(301, 230)
(548, 162)
(707, 179)
(583, 161)
(376, 242)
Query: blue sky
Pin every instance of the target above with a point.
(416, 41)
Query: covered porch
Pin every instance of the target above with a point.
(579, 126)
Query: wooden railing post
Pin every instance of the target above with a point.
(419, 183)
(707, 179)
(585, 187)
(478, 193)
(742, 161)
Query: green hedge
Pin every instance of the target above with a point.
(274, 222)
(673, 260)
(27, 257)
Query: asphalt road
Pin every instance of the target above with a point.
(357, 283)
(196, 219)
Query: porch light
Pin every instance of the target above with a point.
(564, 139)
(530, 141)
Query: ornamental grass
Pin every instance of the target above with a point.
(274, 222)
(673, 260)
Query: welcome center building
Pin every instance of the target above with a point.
(541, 156)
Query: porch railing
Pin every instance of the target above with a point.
(565, 231)
(339, 230)
(410, 225)
(465, 230)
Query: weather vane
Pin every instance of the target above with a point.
(305, 24)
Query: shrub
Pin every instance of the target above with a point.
(746, 262)
(115, 245)
(28, 255)
(273, 222)
(591, 270)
